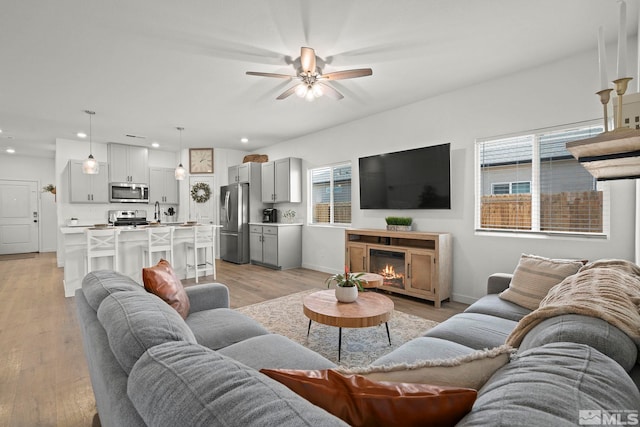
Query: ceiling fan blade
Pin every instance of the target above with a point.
(347, 74)
(330, 91)
(308, 59)
(287, 92)
(279, 76)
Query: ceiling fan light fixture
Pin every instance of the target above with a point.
(311, 78)
(310, 96)
(302, 90)
(317, 91)
(90, 166)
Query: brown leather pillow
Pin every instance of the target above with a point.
(362, 402)
(163, 282)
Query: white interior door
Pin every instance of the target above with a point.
(203, 212)
(18, 217)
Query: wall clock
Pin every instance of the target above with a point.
(200, 160)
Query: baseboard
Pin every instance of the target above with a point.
(320, 268)
(463, 299)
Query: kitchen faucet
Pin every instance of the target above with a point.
(156, 213)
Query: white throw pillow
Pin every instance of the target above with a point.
(535, 276)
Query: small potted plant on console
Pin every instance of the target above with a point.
(398, 223)
(347, 285)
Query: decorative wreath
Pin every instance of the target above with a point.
(200, 192)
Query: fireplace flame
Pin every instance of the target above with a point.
(388, 272)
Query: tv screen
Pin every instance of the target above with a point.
(411, 179)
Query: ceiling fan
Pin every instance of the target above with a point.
(312, 82)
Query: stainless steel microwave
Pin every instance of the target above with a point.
(127, 192)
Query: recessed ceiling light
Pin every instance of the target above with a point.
(81, 135)
(10, 150)
(244, 140)
(0, 130)
(155, 145)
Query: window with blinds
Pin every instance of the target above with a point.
(531, 183)
(330, 190)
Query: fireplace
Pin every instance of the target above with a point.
(390, 265)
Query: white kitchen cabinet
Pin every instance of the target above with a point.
(276, 246)
(85, 188)
(246, 172)
(282, 181)
(128, 163)
(163, 186)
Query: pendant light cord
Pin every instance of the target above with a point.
(90, 113)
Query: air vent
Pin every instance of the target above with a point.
(135, 136)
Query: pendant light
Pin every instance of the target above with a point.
(90, 166)
(180, 171)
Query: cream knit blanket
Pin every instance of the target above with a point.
(606, 289)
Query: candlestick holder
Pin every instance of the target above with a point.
(605, 96)
(621, 88)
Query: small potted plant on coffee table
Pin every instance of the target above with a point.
(347, 285)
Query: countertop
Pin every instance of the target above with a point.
(277, 224)
(77, 229)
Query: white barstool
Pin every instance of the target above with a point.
(102, 243)
(159, 239)
(203, 238)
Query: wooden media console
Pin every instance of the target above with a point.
(412, 263)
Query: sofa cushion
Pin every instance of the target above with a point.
(471, 370)
(108, 379)
(493, 305)
(136, 321)
(534, 276)
(362, 402)
(195, 386)
(222, 327)
(97, 285)
(274, 351)
(474, 330)
(423, 348)
(591, 331)
(161, 280)
(550, 385)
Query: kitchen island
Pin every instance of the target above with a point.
(131, 243)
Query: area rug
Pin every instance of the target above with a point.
(360, 346)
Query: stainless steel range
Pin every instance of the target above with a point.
(132, 217)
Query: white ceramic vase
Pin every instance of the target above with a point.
(346, 294)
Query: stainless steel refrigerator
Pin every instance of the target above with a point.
(234, 219)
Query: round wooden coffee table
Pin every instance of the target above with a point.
(370, 309)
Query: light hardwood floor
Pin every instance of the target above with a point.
(43, 374)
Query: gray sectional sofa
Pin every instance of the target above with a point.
(148, 366)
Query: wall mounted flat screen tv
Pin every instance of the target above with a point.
(411, 179)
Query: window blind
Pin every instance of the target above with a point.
(331, 194)
(531, 183)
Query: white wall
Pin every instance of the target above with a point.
(15, 167)
(554, 94)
